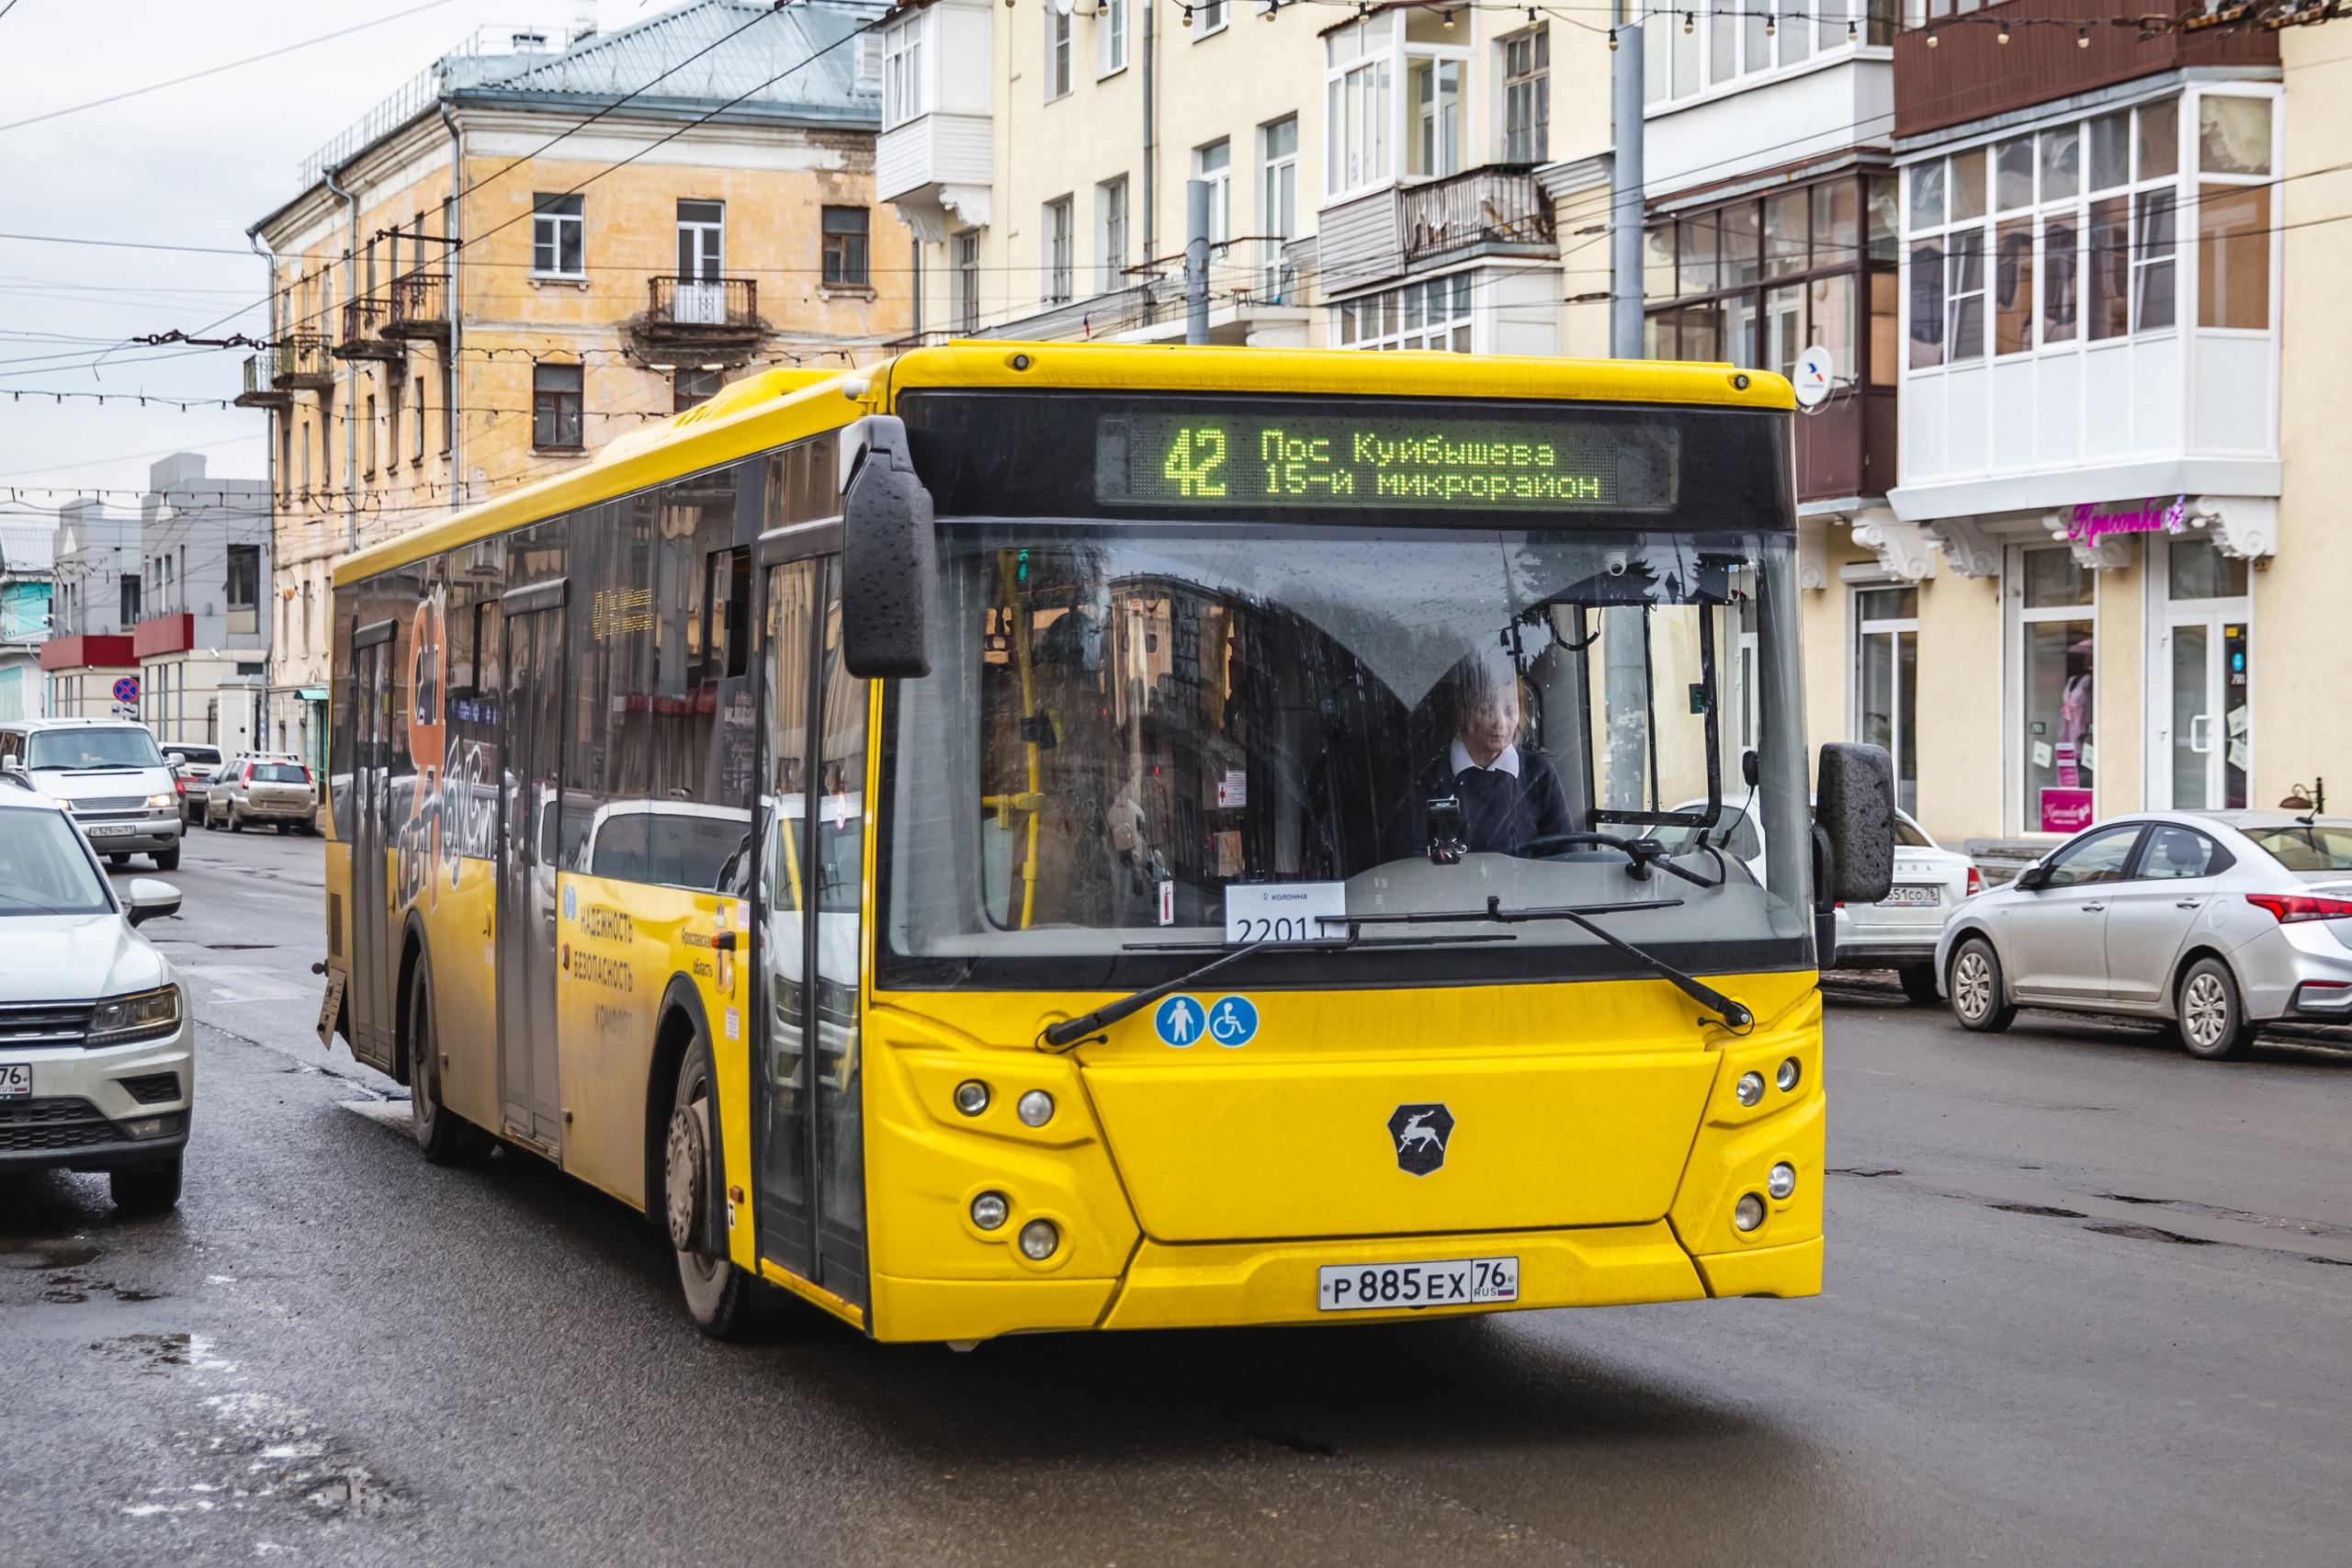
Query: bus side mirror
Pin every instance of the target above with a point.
(889, 559)
(1854, 809)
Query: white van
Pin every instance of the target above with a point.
(110, 776)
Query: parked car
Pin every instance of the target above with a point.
(109, 774)
(255, 790)
(192, 763)
(2217, 923)
(1899, 932)
(97, 1062)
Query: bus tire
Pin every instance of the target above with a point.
(721, 1299)
(444, 1136)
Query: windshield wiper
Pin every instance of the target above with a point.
(1062, 1036)
(1731, 1014)
(1644, 852)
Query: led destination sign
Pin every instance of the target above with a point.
(1384, 460)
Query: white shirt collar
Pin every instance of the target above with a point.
(1506, 763)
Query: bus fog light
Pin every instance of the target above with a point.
(1750, 1087)
(1038, 1239)
(971, 1097)
(1748, 1213)
(1036, 1109)
(1781, 1180)
(1788, 1074)
(989, 1211)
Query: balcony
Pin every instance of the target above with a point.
(1496, 210)
(296, 364)
(172, 631)
(363, 327)
(1499, 206)
(419, 308)
(711, 320)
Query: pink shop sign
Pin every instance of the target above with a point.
(2091, 524)
(2065, 810)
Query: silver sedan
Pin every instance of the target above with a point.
(2216, 921)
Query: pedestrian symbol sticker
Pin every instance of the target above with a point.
(1233, 1020)
(1179, 1020)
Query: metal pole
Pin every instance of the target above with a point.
(1196, 261)
(1625, 185)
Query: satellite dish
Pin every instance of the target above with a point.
(1064, 7)
(1816, 374)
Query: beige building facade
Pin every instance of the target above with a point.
(533, 250)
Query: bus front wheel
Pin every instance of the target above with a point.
(720, 1297)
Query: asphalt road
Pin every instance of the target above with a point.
(2088, 1301)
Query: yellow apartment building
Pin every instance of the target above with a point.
(1402, 176)
(533, 249)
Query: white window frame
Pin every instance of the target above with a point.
(1896, 627)
(2014, 621)
(1402, 317)
(1434, 134)
(1112, 224)
(1367, 84)
(903, 87)
(1277, 190)
(1210, 16)
(1060, 47)
(1219, 180)
(1055, 244)
(1528, 91)
(967, 282)
(1806, 35)
(547, 234)
(1110, 37)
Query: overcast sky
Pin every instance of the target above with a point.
(186, 165)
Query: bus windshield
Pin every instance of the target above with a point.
(1133, 731)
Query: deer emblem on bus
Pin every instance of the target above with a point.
(1420, 1132)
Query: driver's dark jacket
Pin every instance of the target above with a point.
(1503, 813)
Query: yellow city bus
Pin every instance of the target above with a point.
(1030, 837)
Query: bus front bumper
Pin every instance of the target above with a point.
(1224, 1285)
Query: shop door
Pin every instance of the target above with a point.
(529, 850)
(809, 1146)
(2205, 740)
(373, 974)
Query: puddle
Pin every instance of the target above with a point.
(1863, 1170)
(2043, 1210)
(50, 1254)
(2149, 1233)
(147, 1352)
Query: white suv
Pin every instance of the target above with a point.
(98, 1049)
(109, 774)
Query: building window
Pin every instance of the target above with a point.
(846, 247)
(2056, 697)
(968, 281)
(1110, 37)
(1886, 682)
(902, 78)
(1209, 16)
(559, 236)
(2234, 208)
(1277, 203)
(1111, 233)
(304, 446)
(1434, 87)
(367, 436)
(702, 241)
(128, 603)
(448, 402)
(1726, 43)
(394, 406)
(1527, 96)
(556, 400)
(1057, 53)
(2065, 235)
(416, 420)
(1055, 285)
(1434, 314)
(1213, 165)
(286, 461)
(242, 589)
(689, 386)
(1356, 111)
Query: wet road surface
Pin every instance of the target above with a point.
(2088, 1301)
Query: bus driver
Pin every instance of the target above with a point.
(1510, 794)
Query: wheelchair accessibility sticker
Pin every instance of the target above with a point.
(1183, 1022)
(1233, 1020)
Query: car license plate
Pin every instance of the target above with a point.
(110, 829)
(1378, 1286)
(16, 1080)
(1914, 898)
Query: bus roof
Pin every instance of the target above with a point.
(779, 406)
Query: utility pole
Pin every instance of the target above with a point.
(1196, 261)
(1625, 183)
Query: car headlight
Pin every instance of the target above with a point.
(160, 801)
(145, 1015)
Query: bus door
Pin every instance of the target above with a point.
(808, 1147)
(373, 961)
(529, 850)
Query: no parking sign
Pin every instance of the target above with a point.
(126, 690)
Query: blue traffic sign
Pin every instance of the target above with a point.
(1233, 1020)
(126, 690)
(1179, 1020)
